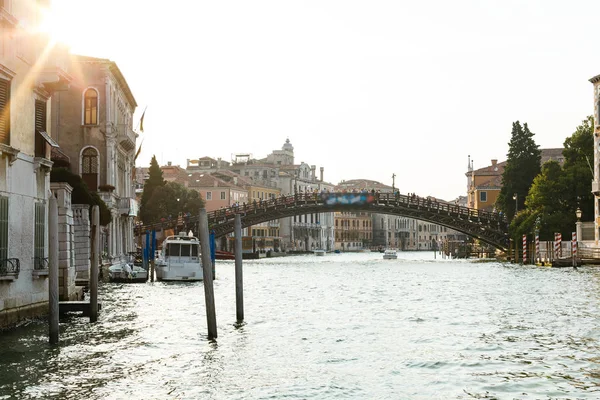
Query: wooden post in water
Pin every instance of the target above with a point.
(239, 277)
(209, 295)
(95, 262)
(53, 315)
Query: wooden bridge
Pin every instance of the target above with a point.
(489, 227)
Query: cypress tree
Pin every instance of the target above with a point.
(155, 180)
(522, 166)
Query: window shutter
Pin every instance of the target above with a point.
(40, 115)
(3, 228)
(4, 112)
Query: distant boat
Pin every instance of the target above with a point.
(337, 251)
(390, 254)
(319, 252)
(224, 255)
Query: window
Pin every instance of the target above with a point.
(208, 195)
(222, 195)
(4, 112)
(40, 126)
(89, 168)
(90, 107)
(483, 197)
(39, 235)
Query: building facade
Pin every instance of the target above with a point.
(94, 128)
(31, 70)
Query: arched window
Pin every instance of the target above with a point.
(90, 101)
(89, 168)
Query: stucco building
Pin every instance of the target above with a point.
(31, 70)
(94, 128)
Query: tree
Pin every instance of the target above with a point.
(522, 166)
(169, 200)
(578, 175)
(557, 192)
(155, 180)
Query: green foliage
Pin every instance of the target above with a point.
(81, 193)
(557, 192)
(155, 180)
(169, 200)
(522, 166)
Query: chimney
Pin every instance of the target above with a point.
(494, 162)
(235, 180)
(313, 169)
(219, 163)
(169, 163)
(322, 173)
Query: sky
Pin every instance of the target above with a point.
(365, 89)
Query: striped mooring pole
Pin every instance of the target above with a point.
(524, 249)
(574, 245)
(557, 241)
(537, 247)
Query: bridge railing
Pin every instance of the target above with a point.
(429, 203)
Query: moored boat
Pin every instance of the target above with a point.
(390, 254)
(125, 272)
(180, 259)
(319, 252)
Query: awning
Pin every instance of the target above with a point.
(48, 139)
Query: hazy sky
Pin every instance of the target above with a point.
(364, 89)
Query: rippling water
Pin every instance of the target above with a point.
(335, 327)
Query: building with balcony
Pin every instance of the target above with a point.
(94, 128)
(32, 69)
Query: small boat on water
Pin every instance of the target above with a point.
(125, 272)
(319, 252)
(224, 255)
(180, 259)
(390, 254)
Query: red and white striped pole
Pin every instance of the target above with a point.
(557, 240)
(524, 249)
(537, 247)
(574, 246)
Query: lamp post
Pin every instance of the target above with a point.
(393, 182)
(516, 199)
(536, 238)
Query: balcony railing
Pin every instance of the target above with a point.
(126, 136)
(40, 263)
(10, 267)
(124, 205)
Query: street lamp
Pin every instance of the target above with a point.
(516, 199)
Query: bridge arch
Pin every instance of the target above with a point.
(489, 227)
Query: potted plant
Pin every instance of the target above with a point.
(106, 188)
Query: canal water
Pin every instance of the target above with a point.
(343, 326)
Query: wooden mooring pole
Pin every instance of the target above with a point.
(53, 268)
(239, 277)
(95, 262)
(207, 275)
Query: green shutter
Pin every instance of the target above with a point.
(3, 228)
(4, 112)
(39, 234)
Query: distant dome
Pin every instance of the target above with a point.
(288, 146)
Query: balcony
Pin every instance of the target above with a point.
(596, 188)
(9, 269)
(126, 137)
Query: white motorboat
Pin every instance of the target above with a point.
(180, 259)
(319, 252)
(390, 254)
(125, 272)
